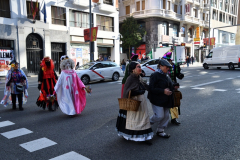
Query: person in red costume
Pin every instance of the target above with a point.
(47, 78)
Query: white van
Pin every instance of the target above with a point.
(223, 57)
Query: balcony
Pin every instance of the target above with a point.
(206, 7)
(81, 3)
(107, 6)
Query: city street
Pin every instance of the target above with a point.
(209, 124)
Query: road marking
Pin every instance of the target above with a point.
(37, 144)
(70, 156)
(238, 89)
(182, 86)
(238, 92)
(16, 133)
(229, 78)
(207, 83)
(198, 88)
(112, 82)
(6, 123)
(220, 90)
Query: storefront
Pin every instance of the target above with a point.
(104, 49)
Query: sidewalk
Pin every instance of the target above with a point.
(195, 64)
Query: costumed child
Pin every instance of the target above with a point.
(47, 79)
(175, 111)
(70, 90)
(16, 86)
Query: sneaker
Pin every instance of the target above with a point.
(163, 134)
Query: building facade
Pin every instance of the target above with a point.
(62, 34)
(172, 22)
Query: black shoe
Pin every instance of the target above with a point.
(20, 109)
(14, 108)
(174, 121)
(163, 134)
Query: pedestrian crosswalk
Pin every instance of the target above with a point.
(37, 144)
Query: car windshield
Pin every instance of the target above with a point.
(85, 66)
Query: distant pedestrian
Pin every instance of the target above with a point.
(123, 64)
(16, 87)
(105, 57)
(192, 59)
(187, 61)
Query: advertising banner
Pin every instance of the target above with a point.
(6, 57)
(141, 51)
(93, 34)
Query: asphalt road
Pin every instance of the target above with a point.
(209, 124)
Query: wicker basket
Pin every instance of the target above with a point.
(128, 103)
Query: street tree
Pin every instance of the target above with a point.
(131, 33)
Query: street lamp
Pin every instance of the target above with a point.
(210, 2)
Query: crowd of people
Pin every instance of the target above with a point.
(66, 91)
(163, 94)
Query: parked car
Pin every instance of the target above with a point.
(96, 71)
(150, 66)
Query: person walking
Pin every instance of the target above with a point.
(161, 97)
(123, 63)
(16, 85)
(175, 111)
(192, 59)
(135, 125)
(47, 79)
(188, 61)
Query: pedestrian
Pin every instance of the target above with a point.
(127, 62)
(133, 58)
(123, 64)
(47, 79)
(135, 125)
(16, 87)
(188, 61)
(70, 90)
(109, 58)
(105, 58)
(192, 59)
(161, 97)
(77, 66)
(175, 111)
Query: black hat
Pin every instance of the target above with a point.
(176, 84)
(164, 62)
(13, 62)
(132, 66)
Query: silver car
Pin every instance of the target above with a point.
(97, 71)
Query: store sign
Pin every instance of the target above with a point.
(196, 39)
(5, 58)
(212, 41)
(93, 37)
(196, 42)
(182, 44)
(165, 38)
(198, 32)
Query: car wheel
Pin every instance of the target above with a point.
(205, 66)
(231, 66)
(218, 67)
(115, 76)
(85, 79)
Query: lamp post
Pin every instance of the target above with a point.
(90, 19)
(210, 2)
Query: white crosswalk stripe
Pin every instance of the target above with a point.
(16, 133)
(70, 156)
(6, 123)
(198, 88)
(37, 144)
(220, 90)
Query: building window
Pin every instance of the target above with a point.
(143, 5)
(220, 5)
(79, 19)
(58, 15)
(5, 9)
(223, 17)
(181, 9)
(203, 17)
(183, 31)
(164, 28)
(105, 23)
(196, 13)
(109, 2)
(190, 32)
(175, 30)
(214, 15)
(220, 17)
(29, 11)
(175, 8)
(138, 6)
(169, 5)
(127, 10)
(6, 44)
(164, 4)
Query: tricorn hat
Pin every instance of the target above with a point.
(13, 62)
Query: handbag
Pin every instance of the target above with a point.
(19, 87)
(128, 103)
